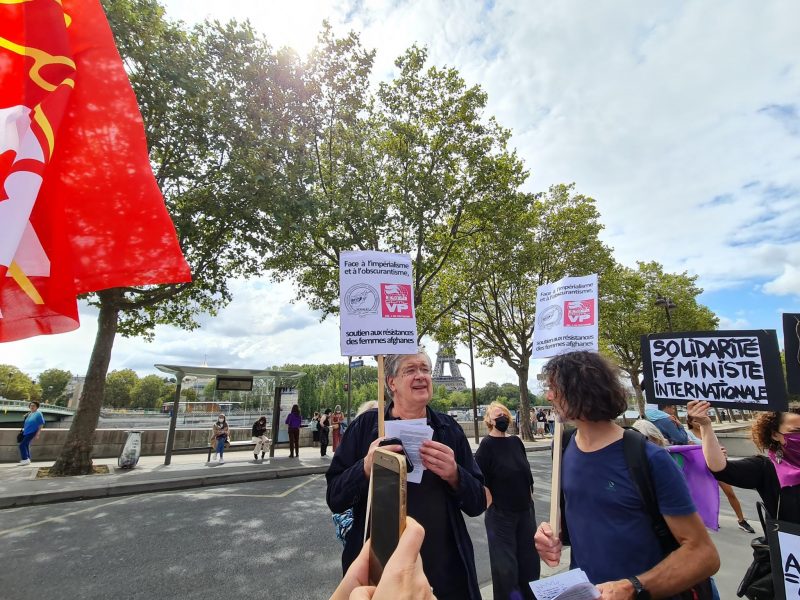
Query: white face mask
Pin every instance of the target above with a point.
(220, 420)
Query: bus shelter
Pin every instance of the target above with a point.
(234, 379)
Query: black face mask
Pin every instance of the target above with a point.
(501, 424)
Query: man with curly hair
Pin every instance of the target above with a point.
(602, 503)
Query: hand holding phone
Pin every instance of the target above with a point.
(388, 509)
(403, 577)
(371, 452)
(396, 441)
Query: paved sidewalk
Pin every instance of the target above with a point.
(19, 487)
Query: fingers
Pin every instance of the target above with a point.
(547, 545)
(546, 530)
(362, 593)
(403, 576)
(411, 540)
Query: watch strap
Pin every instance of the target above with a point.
(641, 593)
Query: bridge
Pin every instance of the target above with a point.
(13, 411)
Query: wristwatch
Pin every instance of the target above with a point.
(641, 593)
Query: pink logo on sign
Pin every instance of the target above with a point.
(578, 313)
(396, 301)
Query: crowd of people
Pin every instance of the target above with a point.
(617, 485)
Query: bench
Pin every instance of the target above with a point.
(237, 445)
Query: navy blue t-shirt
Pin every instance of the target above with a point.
(609, 528)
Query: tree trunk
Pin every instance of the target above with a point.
(524, 405)
(76, 454)
(637, 390)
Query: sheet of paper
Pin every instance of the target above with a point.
(571, 585)
(413, 432)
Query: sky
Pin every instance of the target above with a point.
(682, 120)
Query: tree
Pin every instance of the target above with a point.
(215, 124)
(54, 384)
(399, 170)
(629, 312)
(148, 391)
(537, 239)
(16, 385)
(119, 388)
(488, 393)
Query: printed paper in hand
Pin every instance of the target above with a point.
(413, 432)
(572, 585)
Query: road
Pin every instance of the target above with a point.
(270, 539)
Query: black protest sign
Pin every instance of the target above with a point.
(729, 369)
(791, 348)
(784, 551)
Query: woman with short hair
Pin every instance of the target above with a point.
(510, 518)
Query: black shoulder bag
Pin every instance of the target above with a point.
(757, 581)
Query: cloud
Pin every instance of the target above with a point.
(686, 137)
(726, 323)
(787, 283)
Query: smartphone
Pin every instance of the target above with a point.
(388, 511)
(396, 441)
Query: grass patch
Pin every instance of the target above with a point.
(44, 472)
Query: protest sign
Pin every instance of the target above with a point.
(729, 369)
(566, 316)
(791, 348)
(784, 550)
(376, 304)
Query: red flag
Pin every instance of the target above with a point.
(80, 209)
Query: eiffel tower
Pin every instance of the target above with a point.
(446, 357)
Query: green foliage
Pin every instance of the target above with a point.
(16, 385)
(322, 386)
(521, 241)
(54, 384)
(629, 311)
(397, 170)
(150, 391)
(213, 100)
(119, 388)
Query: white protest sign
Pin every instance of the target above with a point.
(790, 551)
(734, 369)
(566, 317)
(376, 304)
(784, 549)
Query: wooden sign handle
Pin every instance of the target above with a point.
(381, 402)
(555, 490)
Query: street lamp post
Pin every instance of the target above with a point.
(474, 397)
(669, 306)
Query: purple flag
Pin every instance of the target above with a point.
(702, 484)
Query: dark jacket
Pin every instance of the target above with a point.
(348, 487)
(675, 434)
(259, 429)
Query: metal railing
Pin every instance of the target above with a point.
(5, 403)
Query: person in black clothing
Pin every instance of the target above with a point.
(451, 482)
(510, 519)
(260, 437)
(776, 477)
(324, 428)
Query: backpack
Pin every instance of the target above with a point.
(757, 581)
(634, 447)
